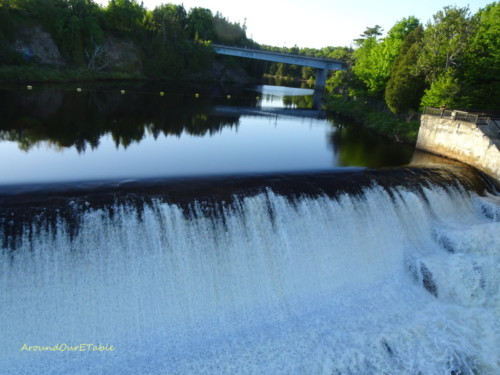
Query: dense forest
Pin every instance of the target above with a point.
(454, 59)
(165, 43)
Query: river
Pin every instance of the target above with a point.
(231, 230)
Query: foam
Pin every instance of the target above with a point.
(265, 285)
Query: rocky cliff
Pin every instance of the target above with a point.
(37, 46)
(34, 44)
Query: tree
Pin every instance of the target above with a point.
(406, 86)
(445, 41)
(226, 32)
(7, 36)
(125, 17)
(374, 59)
(443, 91)
(481, 64)
(369, 33)
(446, 49)
(200, 24)
(170, 21)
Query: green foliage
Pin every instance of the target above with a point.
(200, 58)
(406, 86)
(460, 58)
(443, 91)
(169, 22)
(7, 34)
(7, 24)
(226, 32)
(380, 122)
(456, 57)
(200, 25)
(374, 59)
(172, 43)
(446, 40)
(125, 18)
(32, 73)
(294, 72)
(370, 33)
(73, 24)
(481, 66)
(163, 61)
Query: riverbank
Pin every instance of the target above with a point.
(383, 123)
(31, 74)
(28, 74)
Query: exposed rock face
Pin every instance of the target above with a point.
(36, 44)
(122, 56)
(233, 74)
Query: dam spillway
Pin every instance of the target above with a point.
(354, 273)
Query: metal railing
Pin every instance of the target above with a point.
(454, 114)
(480, 119)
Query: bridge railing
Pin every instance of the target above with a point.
(236, 48)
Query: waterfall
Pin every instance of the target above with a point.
(388, 280)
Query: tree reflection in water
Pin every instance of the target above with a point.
(64, 118)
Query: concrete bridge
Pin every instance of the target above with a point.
(322, 65)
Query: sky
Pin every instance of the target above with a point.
(317, 23)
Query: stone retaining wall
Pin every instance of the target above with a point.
(460, 140)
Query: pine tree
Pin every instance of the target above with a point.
(406, 85)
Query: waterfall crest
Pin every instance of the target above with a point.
(385, 280)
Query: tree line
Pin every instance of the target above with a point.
(174, 42)
(453, 60)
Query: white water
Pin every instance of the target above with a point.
(322, 286)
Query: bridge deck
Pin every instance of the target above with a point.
(313, 62)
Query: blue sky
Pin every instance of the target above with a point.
(318, 23)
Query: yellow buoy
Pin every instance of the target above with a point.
(122, 92)
(229, 96)
(29, 87)
(162, 93)
(196, 95)
(78, 90)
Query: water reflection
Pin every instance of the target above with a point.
(100, 133)
(64, 118)
(357, 146)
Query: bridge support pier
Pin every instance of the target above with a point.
(321, 75)
(318, 99)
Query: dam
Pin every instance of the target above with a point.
(220, 243)
(470, 138)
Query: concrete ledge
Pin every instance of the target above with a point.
(462, 141)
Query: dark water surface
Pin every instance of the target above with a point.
(57, 134)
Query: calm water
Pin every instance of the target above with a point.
(59, 134)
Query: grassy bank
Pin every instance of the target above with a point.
(381, 122)
(29, 74)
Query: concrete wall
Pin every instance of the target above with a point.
(461, 141)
